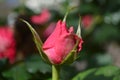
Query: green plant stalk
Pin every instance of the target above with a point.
(55, 72)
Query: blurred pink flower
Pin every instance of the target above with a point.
(42, 18)
(87, 21)
(49, 30)
(7, 44)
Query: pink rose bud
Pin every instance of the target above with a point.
(61, 42)
(41, 18)
(7, 44)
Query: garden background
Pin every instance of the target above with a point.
(99, 58)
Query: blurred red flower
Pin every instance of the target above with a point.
(7, 44)
(87, 21)
(42, 18)
(49, 30)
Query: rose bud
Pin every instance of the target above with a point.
(61, 42)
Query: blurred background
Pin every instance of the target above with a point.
(100, 23)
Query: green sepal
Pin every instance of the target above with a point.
(72, 56)
(67, 12)
(38, 42)
(78, 33)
